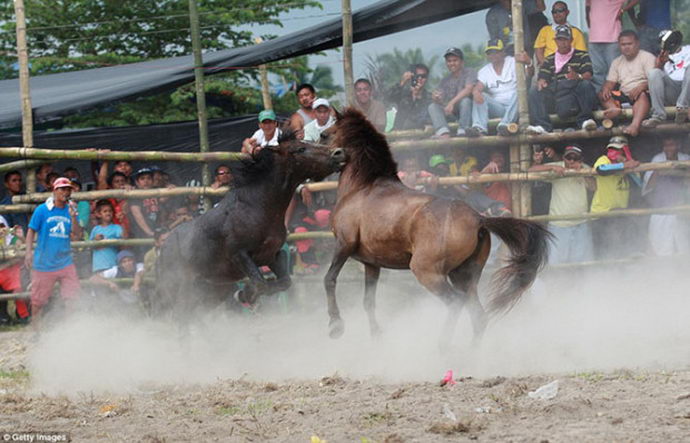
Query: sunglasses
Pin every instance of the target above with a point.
(558, 10)
(422, 75)
(222, 173)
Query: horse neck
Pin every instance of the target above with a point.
(279, 189)
(347, 183)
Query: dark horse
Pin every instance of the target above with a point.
(445, 243)
(201, 259)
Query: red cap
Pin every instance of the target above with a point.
(62, 182)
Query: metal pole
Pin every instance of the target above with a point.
(200, 94)
(24, 90)
(347, 52)
(520, 155)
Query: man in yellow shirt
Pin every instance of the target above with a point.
(613, 192)
(545, 44)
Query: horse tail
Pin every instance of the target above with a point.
(529, 247)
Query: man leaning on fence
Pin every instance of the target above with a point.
(53, 224)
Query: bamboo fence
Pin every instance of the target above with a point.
(101, 154)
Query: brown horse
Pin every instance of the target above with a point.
(445, 243)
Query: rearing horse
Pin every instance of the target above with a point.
(445, 243)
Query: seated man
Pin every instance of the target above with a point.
(306, 94)
(126, 268)
(374, 110)
(324, 120)
(669, 84)
(452, 98)
(630, 70)
(267, 134)
(495, 93)
(545, 44)
(564, 83)
(411, 98)
(572, 240)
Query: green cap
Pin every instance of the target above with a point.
(267, 114)
(436, 160)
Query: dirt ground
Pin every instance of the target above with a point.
(280, 378)
(593, 406)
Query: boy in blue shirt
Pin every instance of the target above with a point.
(54, 223)
(106, 257)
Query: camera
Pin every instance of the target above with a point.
(415, 80)
(670, 41)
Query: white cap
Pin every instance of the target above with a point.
(320, 102)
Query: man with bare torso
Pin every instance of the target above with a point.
(306, 94)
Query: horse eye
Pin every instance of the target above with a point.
(301, 150)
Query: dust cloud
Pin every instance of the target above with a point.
(632, 316)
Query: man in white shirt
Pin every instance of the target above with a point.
(267, 134)
(669, 83)
(323, 120)
(495, 93)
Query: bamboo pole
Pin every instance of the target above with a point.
(16, 209)
(265, 85)
(126, 193)
(200, 94)
(20, 164)
(24, 88)
(626, 114)
(347, 52)
(91, 154)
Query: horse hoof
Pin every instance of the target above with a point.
(337, 328)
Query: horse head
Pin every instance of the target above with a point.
(307, 160)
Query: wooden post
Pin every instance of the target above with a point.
(200, 94)
(24, 90)
(521, 154)
(265, 86)
(347, 52)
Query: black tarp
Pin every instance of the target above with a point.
(57, 95)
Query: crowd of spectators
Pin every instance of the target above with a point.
(571, 76)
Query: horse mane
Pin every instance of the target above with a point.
(369, 156)
(248, 172)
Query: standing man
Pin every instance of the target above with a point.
(54, 223)
(374, 110)
(630, 70)
(545, 44)
(411, 98)
(604, 22)
(669, 84)
(572, 238)
(453, 97)
(564, 84)
(323, 120)
(306, 94)
(668, 233)
(613, 192)
(495, 93)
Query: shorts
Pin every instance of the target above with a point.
(42, 284)
(10, 279)
(621, 98)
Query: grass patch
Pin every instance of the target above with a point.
(15, 375)
(592, 377)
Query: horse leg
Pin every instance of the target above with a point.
(257, 284)
(437, 283)
(371, 278)
(336, 325)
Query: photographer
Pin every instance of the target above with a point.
(668, 81)
(411, 98)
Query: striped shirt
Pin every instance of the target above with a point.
(580, 62)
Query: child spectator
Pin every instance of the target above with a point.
(50, 178)
(118, 180)
(106, 257)
(144, 210)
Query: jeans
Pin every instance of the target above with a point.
(541, 102)
(665, 91)
(438, 117)
(493, 108)
(571, 244)
(602, 55)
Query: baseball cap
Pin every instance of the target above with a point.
(572, 150)
(143, 171)
(320, 102)
(62, 182)
(617, 142)
(267, 114)
(494, 45)
(454, 51)
(564, 31)
(124, 254)
(437, 159)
